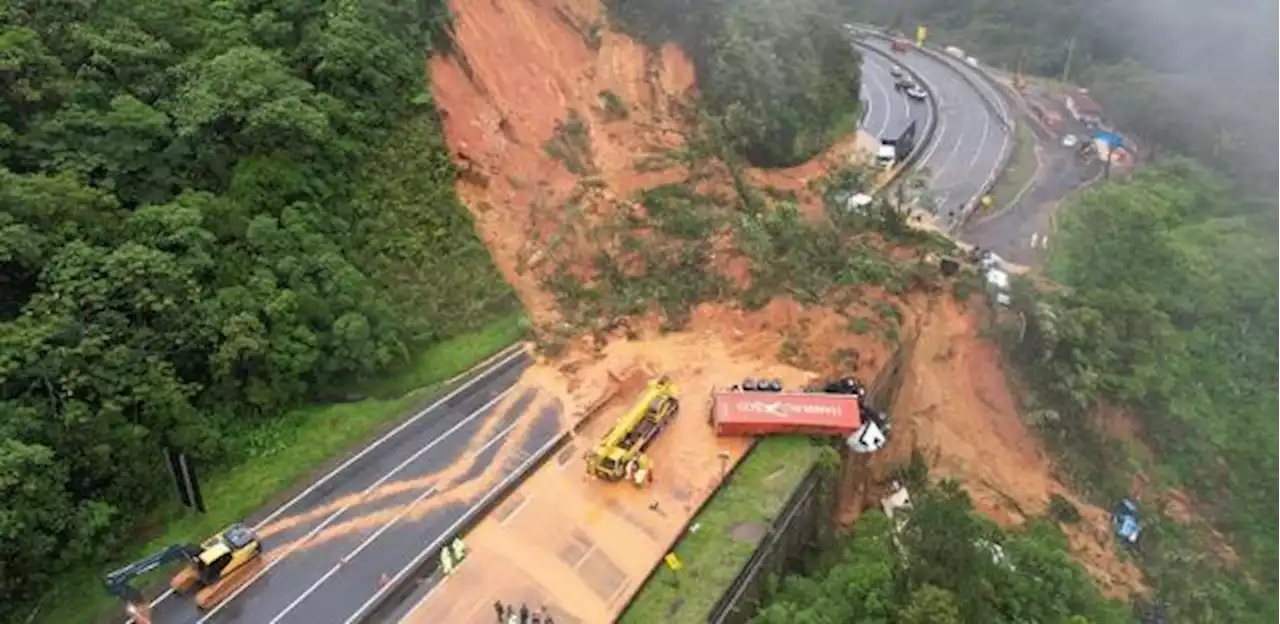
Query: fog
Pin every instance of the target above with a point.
(1216, 62)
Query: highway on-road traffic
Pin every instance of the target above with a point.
(330, 549)
(969, 136)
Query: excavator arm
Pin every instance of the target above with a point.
(117, 582)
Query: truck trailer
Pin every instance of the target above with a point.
(897, 145)
(745, 413)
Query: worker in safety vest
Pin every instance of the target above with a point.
(446, 562)
(459, 550)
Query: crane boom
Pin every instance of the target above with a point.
(634, 430)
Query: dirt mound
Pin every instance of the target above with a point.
(528, 75)
(955, 405)
(548, 112)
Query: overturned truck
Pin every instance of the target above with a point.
(839, 408)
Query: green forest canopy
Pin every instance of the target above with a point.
(946, 565)
(193, 238)
(1170, 310)
(781, 76)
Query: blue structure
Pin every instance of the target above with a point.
(1111, 139)
(1125, 520)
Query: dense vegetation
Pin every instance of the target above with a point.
(944, 565)
(781, 76)
(1169, 311)
(196, 232)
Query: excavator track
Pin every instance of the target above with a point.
(214, 594)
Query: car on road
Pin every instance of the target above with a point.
(916, 93)
(1070, 140)
(896, 71)
(904, 83)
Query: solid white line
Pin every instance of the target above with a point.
(399, 577)
(334, 516)
(982, 142)
(884, 99)
(964, 131)
(376, 534)
(515, 349)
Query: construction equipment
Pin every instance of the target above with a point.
(217, 566)
(620, 453)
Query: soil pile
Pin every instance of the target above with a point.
(956, 406)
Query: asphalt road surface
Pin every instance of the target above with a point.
(1060, 171)
(969, 136)
(1010, 231)
(329, 549)
(887, 110)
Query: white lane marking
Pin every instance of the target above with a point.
(964, 132)
(516, 350)
(399, 577)
(334, 516)
(982, 142)
(383, 529)
(884, 99)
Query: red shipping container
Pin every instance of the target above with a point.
(764, 413)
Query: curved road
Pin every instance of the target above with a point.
(887, 109)
(330, 549)
(969, 137)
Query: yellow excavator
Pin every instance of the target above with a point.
(216, 567)
(619, 454)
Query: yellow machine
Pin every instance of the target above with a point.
(219, 565)
(620, 453)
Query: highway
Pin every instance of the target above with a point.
(969, 137)
(887, 109)
(329, 549)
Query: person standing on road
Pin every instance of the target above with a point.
(502, 611)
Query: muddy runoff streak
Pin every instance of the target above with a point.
(382, 489)
(446, 483)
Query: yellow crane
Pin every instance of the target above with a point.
(619, 453)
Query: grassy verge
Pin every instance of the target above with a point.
(1022, 167)
(307, 439)
(711, 557)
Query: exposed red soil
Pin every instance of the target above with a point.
(955, 403)
(519, 68)
(522, 65)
